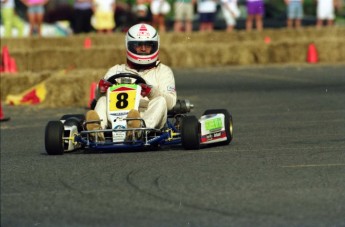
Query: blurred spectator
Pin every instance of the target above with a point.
(103, 15)
(231, 12)
(255, 11)
(184, 12)
(159, 9)
(207, 13)
(325, 11)
(142, 12)
(10, 19)
(82, 14)
(35, 12)
(294, 13)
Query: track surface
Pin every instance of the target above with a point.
(285, 167)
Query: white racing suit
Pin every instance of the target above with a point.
(154, 108)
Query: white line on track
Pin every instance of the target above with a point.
(313, 165)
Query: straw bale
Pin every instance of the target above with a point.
(189, 54)
(71, 89)
(331, 50)
(288, 51)
(76, 41)
(117, 39)
(17, 83)
(52, 59)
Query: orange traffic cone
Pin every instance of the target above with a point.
(2, 116)
(87, 43)
(93, 88)
(267, 40)
(5, 57)
(312, 55)
(13, 65)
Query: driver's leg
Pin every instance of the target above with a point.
(100, 113)
(156, 114)
(101, 109)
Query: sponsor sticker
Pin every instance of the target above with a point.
(214, 124)
(119, 127)
(171, 88)
(213, 136)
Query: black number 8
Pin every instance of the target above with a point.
(122, 100)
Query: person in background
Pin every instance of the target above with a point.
(103, 19)
(325, 11)
(184, 12)
(10, 19)
(207, 11)
(294, 13)
(142, 11)
(255, 11)
(82, 13)
(231, 12)
(35, 14)
(159, 9)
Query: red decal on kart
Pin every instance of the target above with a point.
(213, 136)
(123, 89)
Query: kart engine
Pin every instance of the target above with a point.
(181, 107)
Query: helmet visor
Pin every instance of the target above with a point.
(143, 47)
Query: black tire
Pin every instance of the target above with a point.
(54, 138)
(228, 123)
(190, 133)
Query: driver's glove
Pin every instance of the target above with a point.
(145, 89)
(103, 85)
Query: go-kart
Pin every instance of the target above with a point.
(69, 133)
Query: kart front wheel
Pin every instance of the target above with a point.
(227, 121)
(190, 133)
(54, 138)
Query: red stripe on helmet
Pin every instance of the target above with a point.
(142, 58)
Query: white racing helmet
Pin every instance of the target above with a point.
(142, 34)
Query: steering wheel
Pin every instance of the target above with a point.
(138, 79)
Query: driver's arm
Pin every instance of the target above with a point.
(166, 86)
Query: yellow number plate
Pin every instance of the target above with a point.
(122, 100)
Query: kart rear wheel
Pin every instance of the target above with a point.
(190, 133)
(54, 138)
(228, 123)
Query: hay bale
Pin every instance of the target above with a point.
(17, 83)
(117, 39)
(52, 59)
(331, 50)
(73, 88)
(180, 50)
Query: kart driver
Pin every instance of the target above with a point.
(158, 95)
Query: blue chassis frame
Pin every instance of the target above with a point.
(137, 144)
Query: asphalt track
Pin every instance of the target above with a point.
(285, 166)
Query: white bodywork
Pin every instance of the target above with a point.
(212, 128)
